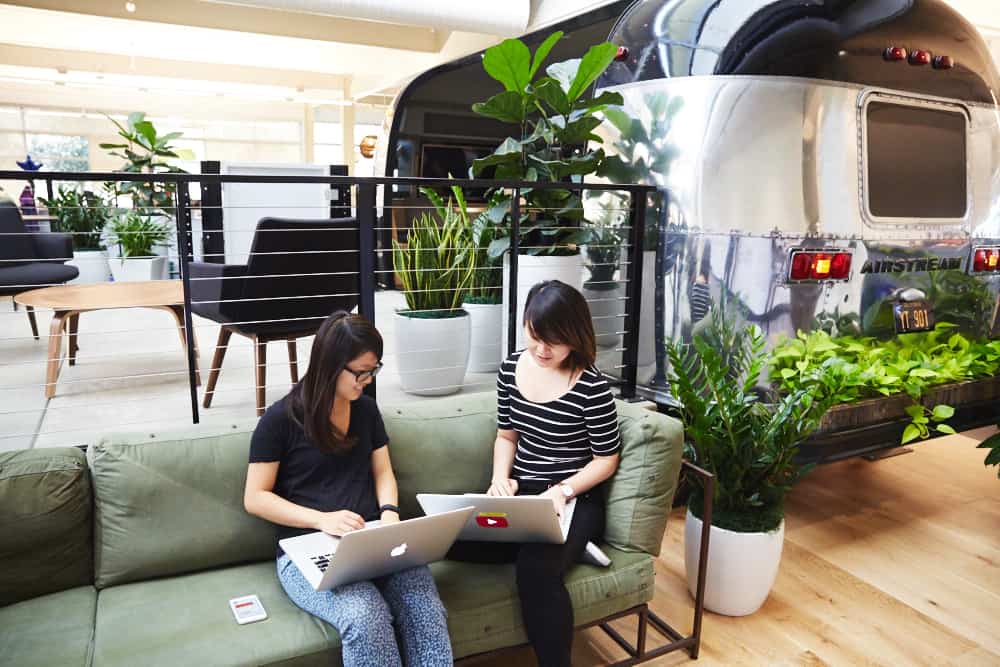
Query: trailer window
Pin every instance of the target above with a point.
(916, 161)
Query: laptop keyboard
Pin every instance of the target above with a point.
(322, 562)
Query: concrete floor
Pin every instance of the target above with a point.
(131, 375)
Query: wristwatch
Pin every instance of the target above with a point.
(567, 490)
(389, 508)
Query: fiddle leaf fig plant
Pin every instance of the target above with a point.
(146, 152)
(553, 139)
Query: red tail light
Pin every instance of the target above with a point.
(920, 57)
(816, 265)
(985, 260)
(894, 53)
(840, 268)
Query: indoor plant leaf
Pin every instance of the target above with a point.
(509, 62)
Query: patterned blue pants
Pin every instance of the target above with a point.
(363, 614)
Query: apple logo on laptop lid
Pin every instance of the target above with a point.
(398, 551)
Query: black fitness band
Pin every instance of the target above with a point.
(388, 507)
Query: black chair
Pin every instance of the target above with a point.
(31, 259)
(298, 272)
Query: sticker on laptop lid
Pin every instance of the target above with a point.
(492, 519)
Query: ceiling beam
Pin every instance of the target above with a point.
(83, 61)
(253, 20)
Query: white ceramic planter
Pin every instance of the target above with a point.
(485, 352)
(137, 269)
(607, 309)
(532, 269)
(93, 266)
(432, 353)
(742, 567)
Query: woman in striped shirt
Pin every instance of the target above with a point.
(557, 436)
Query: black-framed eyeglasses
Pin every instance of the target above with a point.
(361, 376)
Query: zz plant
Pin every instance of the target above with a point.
(554, 123)
(747, 439)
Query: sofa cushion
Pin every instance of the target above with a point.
(55, 629)
(484, 612)
(45, 520)
(441, 446)
(642, 490)
(186, 620)
(167, 504)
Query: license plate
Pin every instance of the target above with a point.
(913, 316)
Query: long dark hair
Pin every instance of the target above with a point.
(557, 314)
(341, 338)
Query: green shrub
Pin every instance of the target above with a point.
(748, 441)
(847, 369)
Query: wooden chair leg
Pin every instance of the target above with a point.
(260, 371)
(31, 319)
(293, 360)
(213, 372)
(74, 323)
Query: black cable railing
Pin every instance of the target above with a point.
(613, 291)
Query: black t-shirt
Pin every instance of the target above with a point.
(315, 478)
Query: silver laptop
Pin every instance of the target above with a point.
(375, 550)
(504, 518)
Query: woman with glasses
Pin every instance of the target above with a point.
(319, 461)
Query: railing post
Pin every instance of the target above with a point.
(633, 293)
(366, 259)
(182, 222)
(513, 252)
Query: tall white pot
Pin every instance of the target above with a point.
(93, 266)
(485, 352)
(742, 567)
(137, 269)
(532, 269)
(432, 353)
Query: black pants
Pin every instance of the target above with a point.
(545, 603)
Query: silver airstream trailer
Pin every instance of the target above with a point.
(822, 164)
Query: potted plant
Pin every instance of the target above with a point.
(435, 267)
(83, 214)
(554, 141)
(134, 235)
(748, 441)
(484, 298)
(146, 152)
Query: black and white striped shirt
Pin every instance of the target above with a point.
(557, 438)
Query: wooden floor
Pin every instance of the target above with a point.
(894, 562)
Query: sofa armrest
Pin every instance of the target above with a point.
(215, 288)
(53, 247)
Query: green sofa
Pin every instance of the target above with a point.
(128, 554)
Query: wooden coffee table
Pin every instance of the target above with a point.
(68, 301)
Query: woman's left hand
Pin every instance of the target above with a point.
(554, 493)
(389, 516)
